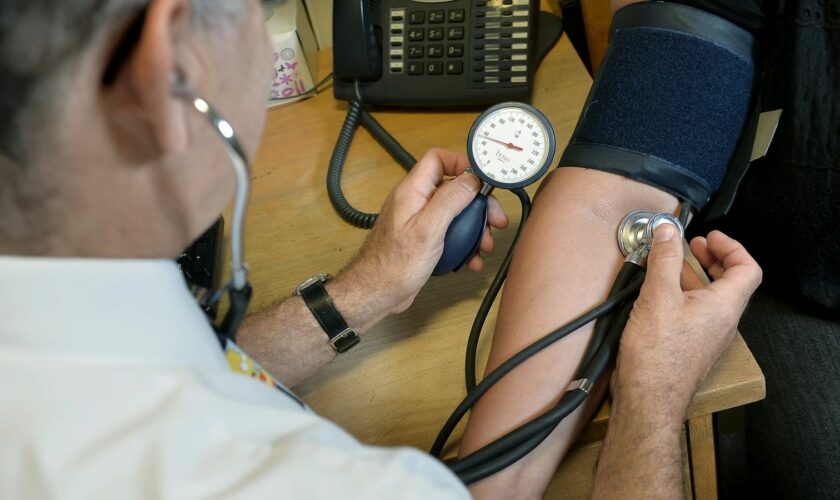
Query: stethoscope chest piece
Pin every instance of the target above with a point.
(636, 229)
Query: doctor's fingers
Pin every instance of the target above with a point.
(664, 266)
(496, 215)
(428, 173)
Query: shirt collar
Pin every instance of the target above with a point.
(109, 310)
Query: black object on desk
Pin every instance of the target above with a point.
(417, 54)
(201, 262)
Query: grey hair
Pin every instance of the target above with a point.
(38, 38)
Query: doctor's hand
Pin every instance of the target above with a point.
(680, 325)
(406, 242)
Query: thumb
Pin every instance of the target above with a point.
(450, 199)
(665, 260)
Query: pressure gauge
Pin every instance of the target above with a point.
(511, 145)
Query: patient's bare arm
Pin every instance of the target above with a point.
(564, 265)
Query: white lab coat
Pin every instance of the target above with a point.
(113, 386)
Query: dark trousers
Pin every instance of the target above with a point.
(792, 438)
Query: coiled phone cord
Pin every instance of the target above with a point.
(355, 115)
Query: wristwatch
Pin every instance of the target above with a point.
(315, 295)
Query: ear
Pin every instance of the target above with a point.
(151, 67)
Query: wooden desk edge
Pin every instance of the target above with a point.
(712, 396)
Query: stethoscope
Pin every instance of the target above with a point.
(238, 288)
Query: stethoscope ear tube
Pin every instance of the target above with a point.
(239, 289)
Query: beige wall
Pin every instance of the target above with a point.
(320, 13)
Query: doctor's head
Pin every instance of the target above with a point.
(98, 157)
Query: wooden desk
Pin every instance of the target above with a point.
(399, 385)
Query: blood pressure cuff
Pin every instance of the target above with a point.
(670, 101)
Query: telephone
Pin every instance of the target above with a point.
(438, 52)
(428, 53)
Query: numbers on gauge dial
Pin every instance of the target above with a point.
(510, 145)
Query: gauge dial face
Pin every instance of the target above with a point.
(511, 145)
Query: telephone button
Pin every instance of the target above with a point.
(456, 15)
(416, 34)
(436, 16)
(454, 68)
(415, 68)
(417, 17)
(455, 50)
(456, 33)
(435, 50)
(434, 68)
(435, 33)
(415, 51)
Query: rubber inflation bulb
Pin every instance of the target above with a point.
(463, 237)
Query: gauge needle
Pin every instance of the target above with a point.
(509, 145)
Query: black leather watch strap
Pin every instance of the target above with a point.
(315, 295)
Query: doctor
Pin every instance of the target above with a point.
(111, 380)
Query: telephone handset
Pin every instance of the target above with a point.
(435, 52)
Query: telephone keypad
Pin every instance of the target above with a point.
(433, 52)
(456, 15)
(416, 34)
(446, 37)
(455, 50)
(436, 16)
(454, 68)
(455, 33)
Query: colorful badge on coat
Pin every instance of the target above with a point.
(243, 364)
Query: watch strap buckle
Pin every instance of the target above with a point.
(341, 336)
(345, 340)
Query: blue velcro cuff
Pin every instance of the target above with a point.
(670, 101)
